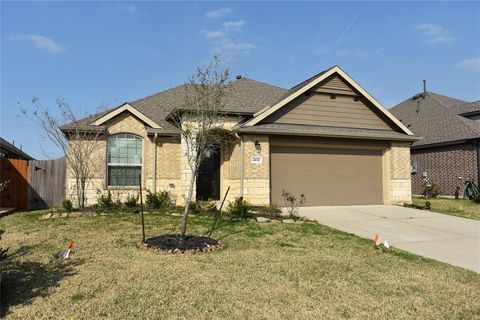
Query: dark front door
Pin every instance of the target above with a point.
(208, 179)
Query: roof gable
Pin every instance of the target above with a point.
(332, 79)
(336, 85)
(331, 103)
(125, 108)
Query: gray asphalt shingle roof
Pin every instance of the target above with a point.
(467, 108)
(11, 149)
(437, 120)
(292, 90)
(246, 96)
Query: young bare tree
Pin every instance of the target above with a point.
(201, 120)
(77, 141)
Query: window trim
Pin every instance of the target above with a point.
(109, 164)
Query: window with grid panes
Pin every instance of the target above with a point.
(124, 160)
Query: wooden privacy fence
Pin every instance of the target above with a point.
(33, 184)
(47, 180)
(15, 173)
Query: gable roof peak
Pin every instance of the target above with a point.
(306, 85)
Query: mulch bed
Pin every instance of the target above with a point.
(174, 243)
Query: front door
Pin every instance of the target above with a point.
(208, 179)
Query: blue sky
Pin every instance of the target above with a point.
(100, 54)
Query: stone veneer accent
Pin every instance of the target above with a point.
(256, 184)
(399, 173)
(173, 172)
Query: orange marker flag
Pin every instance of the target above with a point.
(66, 253)
(376, 239)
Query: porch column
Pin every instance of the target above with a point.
(185, 172)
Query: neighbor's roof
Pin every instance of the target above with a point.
(246, 96)
(438, 119)
(11, 149)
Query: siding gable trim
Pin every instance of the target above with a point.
(336, 69)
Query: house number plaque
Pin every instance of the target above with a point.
(256, 159)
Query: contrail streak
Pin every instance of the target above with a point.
(338, 40)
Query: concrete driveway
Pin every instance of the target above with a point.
(441, 237)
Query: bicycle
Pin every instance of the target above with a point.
(470, 190)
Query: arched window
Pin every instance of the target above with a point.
(124, 160)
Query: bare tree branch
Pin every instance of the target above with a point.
(77, 142)
(201, 119)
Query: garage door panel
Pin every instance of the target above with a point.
(327, 176)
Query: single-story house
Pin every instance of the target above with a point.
(326, 138)
(449, 152)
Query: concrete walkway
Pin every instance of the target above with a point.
(441, 237)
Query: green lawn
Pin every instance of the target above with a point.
(462, 208)
(263, 271)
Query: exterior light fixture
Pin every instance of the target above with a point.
(258, 147)
(208, 153)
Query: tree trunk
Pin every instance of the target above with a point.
(82, 194)
(79, 196)
(188, 200)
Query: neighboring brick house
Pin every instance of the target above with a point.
(448, 153)
(326, 138)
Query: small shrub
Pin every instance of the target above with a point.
(292, 203)
(239, 208)
(151, 200)
(428, 205)
(67, 205)
(105, 201)
(3, 252)
(208, 207)
(430, 191)
(271, 211)
(132, 201)
(159, 200)
(194, 208)
(476, 198)
(413, 205)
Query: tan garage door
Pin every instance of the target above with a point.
(327, 176)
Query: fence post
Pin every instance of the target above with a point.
(141, 207)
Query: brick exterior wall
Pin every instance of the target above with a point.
(172, 170)
(444, 165)
(123, 123)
